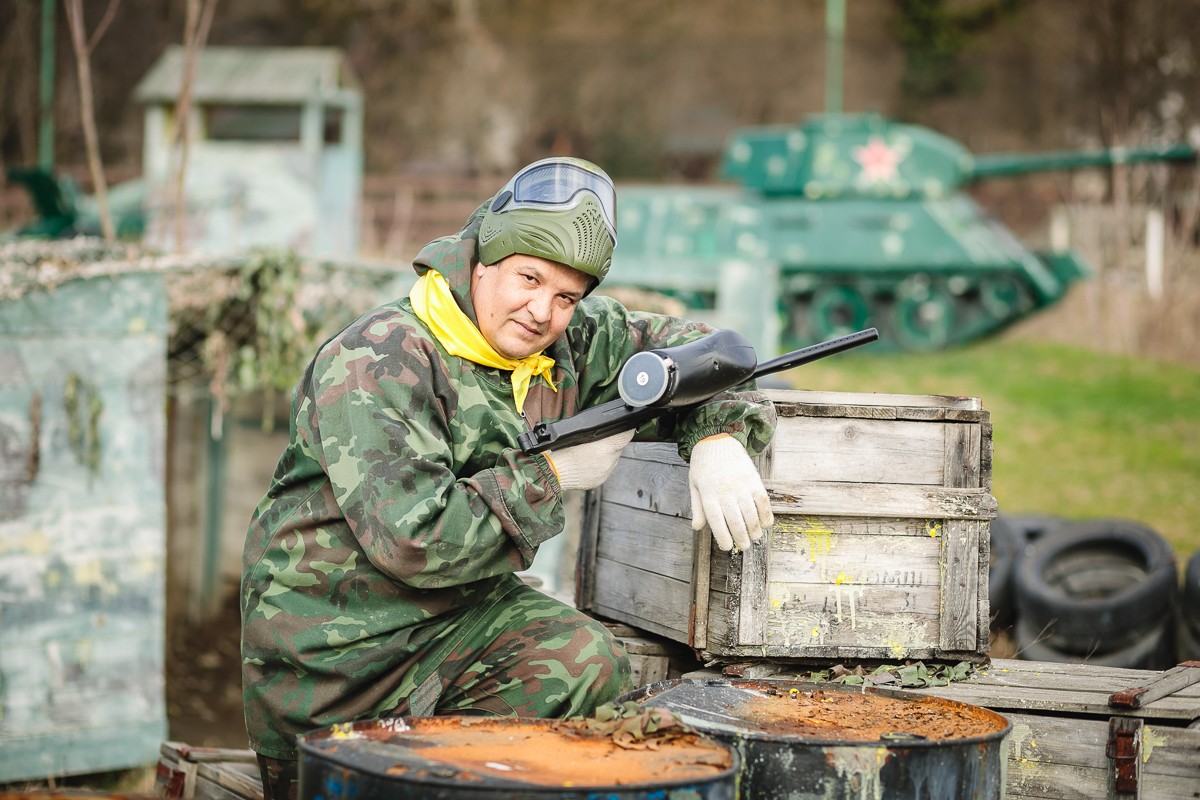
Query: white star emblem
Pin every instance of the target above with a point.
(878, 160)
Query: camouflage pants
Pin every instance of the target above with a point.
(529, 656)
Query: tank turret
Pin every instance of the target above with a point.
(859, 221)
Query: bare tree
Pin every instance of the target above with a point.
(195, 34)
(83, 47)
(17, 52)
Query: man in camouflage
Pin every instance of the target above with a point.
(378, 572)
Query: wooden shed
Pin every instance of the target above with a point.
(274, 150)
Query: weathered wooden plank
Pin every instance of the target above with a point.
(985, 457)
(890, 621)
(790, 496)
(651, 476)
(849, 550)
(1079, 689)
(1178, 677)
(1170, 758)
(644, 539)
(859, 451)
(644, 599)
(647, 669)
(1056, 759)
(962, 456)
(723, 618)
(752, 605)
(181, 751)
(787, 397)
(222, 780)
(585, 559)
(699, 606)
(958, 618)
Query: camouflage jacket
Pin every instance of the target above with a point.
(402, 500)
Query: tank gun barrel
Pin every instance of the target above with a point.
(1001, 164)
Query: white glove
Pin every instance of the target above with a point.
(727, 493)
(586, 466)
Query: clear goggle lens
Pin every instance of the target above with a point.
(554, 186)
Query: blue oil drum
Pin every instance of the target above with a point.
(814, 741)
(485, 758)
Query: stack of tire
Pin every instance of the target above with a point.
(1102, 591)
(1189, 617)
(1011, 536)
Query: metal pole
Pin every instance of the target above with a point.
(1155, 239)
(835, 37)
(46, 90)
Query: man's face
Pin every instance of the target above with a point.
(524, 302)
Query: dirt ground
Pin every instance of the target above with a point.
(204, 683)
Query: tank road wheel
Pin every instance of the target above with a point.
(838, 310)
(1003, 297)
(924, 314)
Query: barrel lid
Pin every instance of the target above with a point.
(821, 713)
(537, 756)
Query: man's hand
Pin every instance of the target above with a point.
(586, 466)
(727, 493)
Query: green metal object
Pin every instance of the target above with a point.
(835, 38)
(46, 89)
(865, 221)
(64, 211)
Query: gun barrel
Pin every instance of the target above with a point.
(811, 353)
(1002, 164)
(615, 416)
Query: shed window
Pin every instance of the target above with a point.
(253, 123)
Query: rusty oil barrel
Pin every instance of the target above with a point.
(816, 741)
(485, 758)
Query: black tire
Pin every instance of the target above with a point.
(1006, 542)
(1095, 587)
(1189, 644)
(1190, 597)
(1154, 650)
(1032, 528)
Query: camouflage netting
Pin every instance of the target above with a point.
(235, 323)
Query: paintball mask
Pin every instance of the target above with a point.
(562, 209)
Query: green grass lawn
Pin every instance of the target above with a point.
(1077, 434)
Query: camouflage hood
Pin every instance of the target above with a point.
(454, 256)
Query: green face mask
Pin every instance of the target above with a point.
(561, 209)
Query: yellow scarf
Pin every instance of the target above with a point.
(432, 300)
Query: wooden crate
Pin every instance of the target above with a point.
(879, 548)
(1080, 732)
(206, 773)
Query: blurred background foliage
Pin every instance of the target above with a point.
(652, 88)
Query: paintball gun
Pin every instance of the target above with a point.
(655, 382)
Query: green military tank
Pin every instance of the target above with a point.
(850, 221)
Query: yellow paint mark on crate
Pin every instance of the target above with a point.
(818, 537)
(1150, 740)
